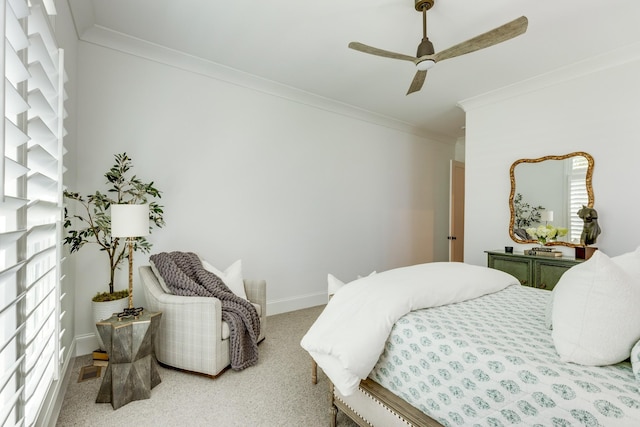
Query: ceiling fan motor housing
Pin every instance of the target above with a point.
(424, 4)
(425, 48)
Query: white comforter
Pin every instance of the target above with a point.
(348, 337)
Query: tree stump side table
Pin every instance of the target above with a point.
(133, 369)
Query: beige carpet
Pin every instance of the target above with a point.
(276, 392)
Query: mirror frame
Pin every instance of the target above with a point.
(588, 184)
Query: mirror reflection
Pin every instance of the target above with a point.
(546, 194)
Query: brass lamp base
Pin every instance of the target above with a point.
(130, 311)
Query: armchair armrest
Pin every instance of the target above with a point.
(256, 291)
(194, 319)
(201, 310)
(190, 327)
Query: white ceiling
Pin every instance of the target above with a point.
(303, 44)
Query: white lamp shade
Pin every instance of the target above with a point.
(546, 216)
(129, 220)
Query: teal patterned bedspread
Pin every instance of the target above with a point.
(491, 362)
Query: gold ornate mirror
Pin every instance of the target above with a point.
(549, 191)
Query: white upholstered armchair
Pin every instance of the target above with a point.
(192, 335)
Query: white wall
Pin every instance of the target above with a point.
(293, 190)
(592, 107)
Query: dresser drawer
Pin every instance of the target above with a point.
(531, 270)
(547, 274)
(519, 268)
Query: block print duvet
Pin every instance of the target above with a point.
(491, 362)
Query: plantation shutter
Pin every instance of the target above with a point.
(577, 195)
(30, 210)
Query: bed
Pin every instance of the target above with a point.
(489, 359)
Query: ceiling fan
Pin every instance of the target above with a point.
(426, 56)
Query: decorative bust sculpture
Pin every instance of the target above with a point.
(591, 229)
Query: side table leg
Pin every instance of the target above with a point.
(133, 369)
(104, 394)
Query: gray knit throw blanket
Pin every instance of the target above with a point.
(184, 274)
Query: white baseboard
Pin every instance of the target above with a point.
(86, 344)
(297, 303)
(51, 409)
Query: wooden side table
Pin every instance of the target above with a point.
(133, 369)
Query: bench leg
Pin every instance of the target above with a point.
(314, 372)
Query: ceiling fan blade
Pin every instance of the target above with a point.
(497, 35)
(418, 81)
(380, 52)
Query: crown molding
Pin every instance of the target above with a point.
(614, 58)
(83, 16)
(90, 32)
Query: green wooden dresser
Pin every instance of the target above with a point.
(536, 271)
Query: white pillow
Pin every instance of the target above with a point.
(595, 313)
(163, 284)
(635, 360)
(334, 284)
(370, 274)
(232, 276)
(630, 263)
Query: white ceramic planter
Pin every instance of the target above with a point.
(104, 310)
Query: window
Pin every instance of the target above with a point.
(578, 195)
(30, 210)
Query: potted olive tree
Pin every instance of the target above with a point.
(91, 224)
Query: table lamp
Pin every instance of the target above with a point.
(546, 216)
(130, 221)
